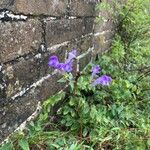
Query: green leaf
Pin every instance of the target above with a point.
(7, 146)
(86, 109)
(93, 112)
(85, 132)
(148, 142)
(52, 101)
(62, 80)
(55, 145)
(24, 144)
(66, 111)
(73, 147)
(72, 101)
(71, 85)
(73, 114)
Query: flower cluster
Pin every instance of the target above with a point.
(67, 66)
(103, 80)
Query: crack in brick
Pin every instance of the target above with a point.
(43, 36)
(2, 84)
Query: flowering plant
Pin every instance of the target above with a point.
(75, 113)
(100, 117)
(67, 67)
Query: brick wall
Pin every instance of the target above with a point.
(31, 31)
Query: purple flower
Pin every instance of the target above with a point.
(53, 61)
(103, 80)
(60, 66)
(95, 70)
(68, 66)
(71, 55)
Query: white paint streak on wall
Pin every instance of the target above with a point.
(12, 16)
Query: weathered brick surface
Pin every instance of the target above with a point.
(104, 26)
(82, 45)
(50, 7)
(82, 8)
(25, 72)
(104, 29)
(58, 31)
(5, 3)
(21, 75)
(84, 61)
(13, 114)
(101, 45)
(50, 87)
(45, 7)
(19, 38)
(102, 41)
(89, 25)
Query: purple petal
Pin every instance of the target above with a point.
(103, 80)
(53, 61)
(60, 66)
(68, 67)
(95, 70)
(71, 55)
